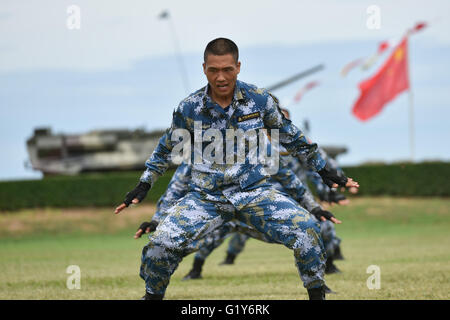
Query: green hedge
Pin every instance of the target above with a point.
(422, 179)
(403, 179)
(79, 191)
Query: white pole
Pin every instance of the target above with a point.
(411, 124)
(411, 109)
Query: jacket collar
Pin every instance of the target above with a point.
(238, 96)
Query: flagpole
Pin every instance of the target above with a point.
(411, 111)
(411, 124)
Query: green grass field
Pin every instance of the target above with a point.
(409, 239)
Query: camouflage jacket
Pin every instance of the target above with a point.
(251, 108)
(177, 188)
(284, 180)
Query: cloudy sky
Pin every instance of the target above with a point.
(119, 68)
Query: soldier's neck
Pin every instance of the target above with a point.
(223, 101)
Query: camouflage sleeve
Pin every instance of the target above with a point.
(290, 136)
(177, 188)
(158, 162)
(294, 187)
(290, 182)
(331, 162)
(321, 188)
(308, 201)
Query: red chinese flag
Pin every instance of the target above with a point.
(389, 81)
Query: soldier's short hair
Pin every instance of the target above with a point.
(220, 47)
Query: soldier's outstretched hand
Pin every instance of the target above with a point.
(323, 215)
(146, 227)
(134, 196)
(332, 178)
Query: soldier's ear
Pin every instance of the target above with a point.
(238, 66)
(204, 67)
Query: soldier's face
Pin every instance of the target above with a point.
(221, 72)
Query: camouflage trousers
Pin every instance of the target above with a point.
(271, 213)
(240, 234)
(237, 242)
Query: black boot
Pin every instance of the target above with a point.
(317, 293)
(196, 271)
(229, 259)
(151, 296)
(337, 254)
(330, 267)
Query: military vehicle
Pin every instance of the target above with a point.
(94, 151)
(108, 150)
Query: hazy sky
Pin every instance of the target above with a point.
(119, 68)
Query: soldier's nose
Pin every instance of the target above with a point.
(221, 78)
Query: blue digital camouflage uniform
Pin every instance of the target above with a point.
(177, 188)
(284, 180)
(222, 192)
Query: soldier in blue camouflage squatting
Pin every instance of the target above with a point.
(224, 190)
(284, 180)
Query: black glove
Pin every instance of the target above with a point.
(139, 192)
(319, 212)
(330, 176)
(151, 225)
(335, 196)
